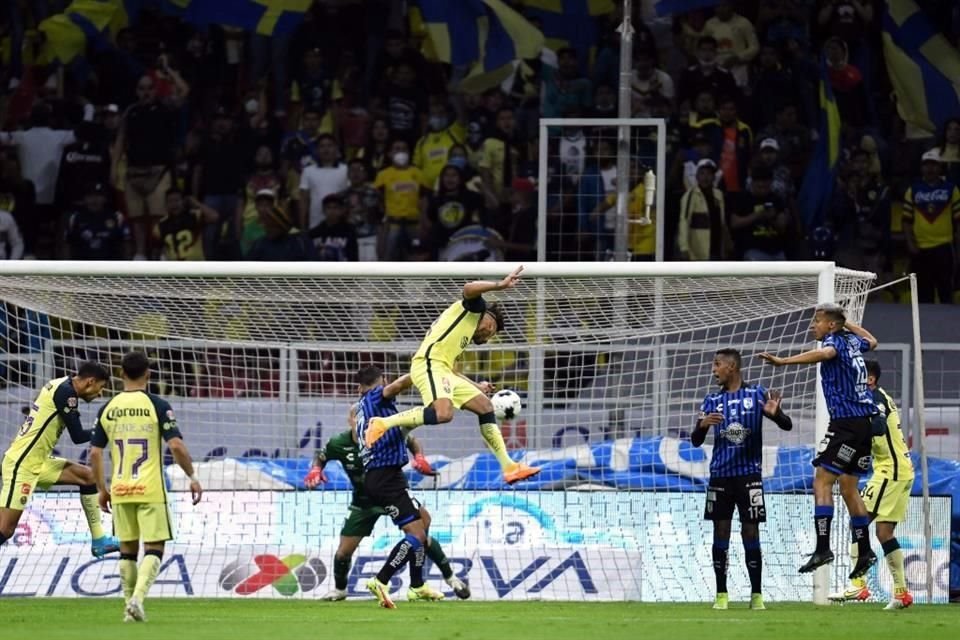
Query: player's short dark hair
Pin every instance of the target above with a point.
(93, 369)
(710, 40)
(494, 310)
(873, 368)
(369, 375)
(833, 311)
(730, 353)
(135, 364)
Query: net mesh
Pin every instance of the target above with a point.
(260, 371)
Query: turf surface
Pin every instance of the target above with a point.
(200, 619)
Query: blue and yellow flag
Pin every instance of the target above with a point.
(82, 24)
(817, 187)
(486, 35)
(266, 17)
(670, 7)
(924, 68)
(569, 23)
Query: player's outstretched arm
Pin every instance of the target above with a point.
(485, 386)
(182, 457)
(420, 462)
(862, 333)
(477, 288)
(773, 410)
(807, 357)
(316, 476)
(398, 386)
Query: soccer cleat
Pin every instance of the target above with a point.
(864, 562)
(900, 600)
(135, 610)
(817, 560)
(335, 595)
(519, 471)
(850, 594)
(381, 592)
(104, 545)
(460, 588)
(756, 602)
(375, 431)
(721, 602)
(126, 616)
(423, 592)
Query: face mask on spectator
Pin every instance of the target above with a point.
(251, 106)
(460, 162)
(401, 158)
(437, 123)
(707, 62)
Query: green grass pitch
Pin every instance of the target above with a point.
(236, 619)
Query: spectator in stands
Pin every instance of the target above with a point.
(604, 102)
(761, 221)
(648, 81)
(933, 234)
(732, 142)
(700, 149)
(774, 85)
(768, 157)
(792, 138)
(451, 209)
(375, 153)
(780, 20)
(404, 199)
(500, 159)
(641, 230)
(736, 38)
(218, 181)
(315, 88)
(460, 158)
(847, 20)
(282, 241)
(364, 209)
(433, 149)
(147, 140)
(706, 74)
(860, 216)
(180, 231)
(949, 149)
(95, 230)
(11, 242)
(847, 83)
(702, 233)
(564, 87)
(335, 239)
(520, 243)
(404, 105)
(303, 142)
(264, 177)
(83, 163)
(396, 53)
(318, 181)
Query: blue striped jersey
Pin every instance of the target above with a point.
(391, 449)
(738, 440)
(844, 378)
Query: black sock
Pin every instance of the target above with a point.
(88, 489)
(890, 546)
(429, 416)
(720, 553)
(860, 532)
(399, 555)
(823, 519)
(416, 567)
(751, 550)
(438, 557)
(341, 569)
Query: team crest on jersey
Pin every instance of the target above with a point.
(72, 402)
(446, 384)
(464, 341)
(736, 433)
(748, 403)
(25, 488)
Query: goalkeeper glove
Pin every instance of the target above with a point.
(421, 464)
(314, 477)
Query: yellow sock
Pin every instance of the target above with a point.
(860, 582)
(895, 563)
(494, 439)
(91, 509)
(149, 568)
(128, 574)
(411, 418)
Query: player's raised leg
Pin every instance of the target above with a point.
(513, 472)
(63, 472)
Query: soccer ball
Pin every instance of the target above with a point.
(506, 404)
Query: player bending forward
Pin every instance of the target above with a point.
(471, 319)
(29, 462)
(844, 452)
(736, 413)
(363, 512)
(135, 423)
(886, 495)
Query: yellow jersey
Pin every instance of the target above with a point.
(891, 455)
(54, 409)
(134, 425)
(450, 334)
(430, 154)
(641, 238)
(401, 192)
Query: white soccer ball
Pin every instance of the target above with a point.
(506, 404)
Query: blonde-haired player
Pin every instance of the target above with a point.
(135, 424)
(886, 495)
(471, 319)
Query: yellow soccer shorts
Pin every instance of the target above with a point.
(435, 380)
(18, 485)
(886, 499)
(149, 521)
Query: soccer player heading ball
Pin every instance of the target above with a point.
(471, 319)
(844, 452)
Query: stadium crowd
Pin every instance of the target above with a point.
(343, 141)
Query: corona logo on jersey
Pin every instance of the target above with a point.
(288, 575)
(122, 490)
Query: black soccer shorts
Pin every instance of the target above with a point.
(743, 492)
(845, 449)
(387, 487)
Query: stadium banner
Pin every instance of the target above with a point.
(597, 545)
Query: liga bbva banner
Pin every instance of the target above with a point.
(508, 546)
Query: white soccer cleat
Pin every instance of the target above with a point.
(135, 610)
(850, 594)
(335, 595)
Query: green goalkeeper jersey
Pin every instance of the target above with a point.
(341, 447)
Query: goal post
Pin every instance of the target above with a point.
(611, 359)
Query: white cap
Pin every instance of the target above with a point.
(931, 156)
(706, 162)
(112, 108)
(770, 143)
(265, 193)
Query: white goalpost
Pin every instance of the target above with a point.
(611, 360)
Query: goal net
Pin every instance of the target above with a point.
(258, 361)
